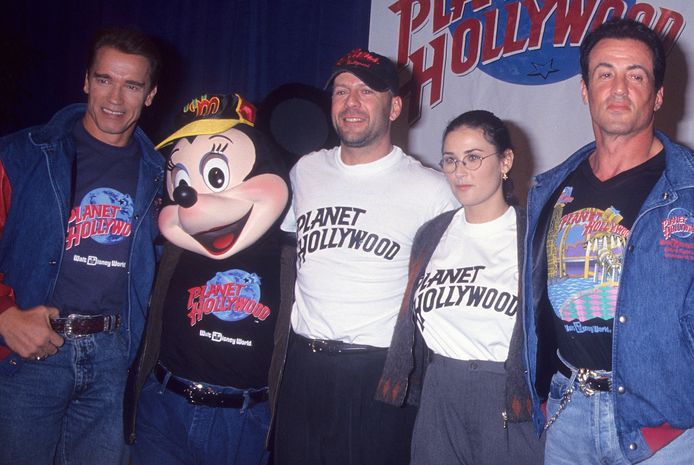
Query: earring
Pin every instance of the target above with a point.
(504, 177)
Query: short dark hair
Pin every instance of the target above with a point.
(495, 132)
(622, 28)
(127, 41)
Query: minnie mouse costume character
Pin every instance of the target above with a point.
(201, 376)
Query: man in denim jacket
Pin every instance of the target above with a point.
(609, 272)
(77, 259)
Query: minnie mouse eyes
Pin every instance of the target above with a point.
(215, 173)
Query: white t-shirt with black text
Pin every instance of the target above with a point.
(466, 303)
(355, 225)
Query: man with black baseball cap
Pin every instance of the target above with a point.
(355, 212)
(376, 71)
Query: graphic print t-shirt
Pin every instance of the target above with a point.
(466, 302)
(586, 242)
(93, 272)
(219, 316)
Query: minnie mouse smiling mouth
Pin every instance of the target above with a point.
(219, 240)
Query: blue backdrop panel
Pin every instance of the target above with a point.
(251, 46)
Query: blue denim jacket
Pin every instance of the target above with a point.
(653, 335)
(38, 162)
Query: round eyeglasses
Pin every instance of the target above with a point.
(471, 161)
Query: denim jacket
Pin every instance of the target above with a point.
(653, 334)
(38, 164)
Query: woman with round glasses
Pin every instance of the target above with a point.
(460, 318)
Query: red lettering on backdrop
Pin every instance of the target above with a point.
(512, 44)
(473, 40)
(422, 76)
(572, 21)
(468, 33)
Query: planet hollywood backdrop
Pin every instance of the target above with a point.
(518, 59)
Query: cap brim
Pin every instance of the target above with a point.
(376, 84)
(200, 128)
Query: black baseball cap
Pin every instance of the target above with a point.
(377, 71)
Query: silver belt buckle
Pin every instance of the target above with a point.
(583, 376)
(319, 345)
(196, 393)
(68, 326)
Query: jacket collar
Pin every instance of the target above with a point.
(679, 164)
(60, 125)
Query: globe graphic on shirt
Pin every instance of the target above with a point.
(250, 290)
(108, 196)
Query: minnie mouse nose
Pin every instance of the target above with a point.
(185, 196)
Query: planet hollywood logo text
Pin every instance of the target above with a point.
(528, 42)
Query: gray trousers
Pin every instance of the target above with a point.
(460, 418)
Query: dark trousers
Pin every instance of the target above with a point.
(460, 421)
(327, 414)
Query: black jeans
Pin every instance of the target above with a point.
(327, 414)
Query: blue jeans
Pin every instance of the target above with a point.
(67, 409)
(172, 431)
(585, 433)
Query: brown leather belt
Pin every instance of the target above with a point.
(82, 325)
(201, 394)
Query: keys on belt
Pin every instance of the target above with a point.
(75, 325)
(588, 381)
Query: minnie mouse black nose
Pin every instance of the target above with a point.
(185, 196)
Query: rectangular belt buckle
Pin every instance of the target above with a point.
(196, 393)
(317, 345)
(68, 326)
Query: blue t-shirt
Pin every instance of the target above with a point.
(93, 274)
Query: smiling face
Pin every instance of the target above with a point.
(621, 92)
(220, 207)
(479, 191)
(117, 86)
(362, 116)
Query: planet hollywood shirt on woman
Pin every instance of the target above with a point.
(466, 302)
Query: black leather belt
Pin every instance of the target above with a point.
(82, 325)
(590, 382)
(200, 394)
(333, 347)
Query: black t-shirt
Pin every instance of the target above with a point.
(219, 316)
(585, 246)
(93, 272)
